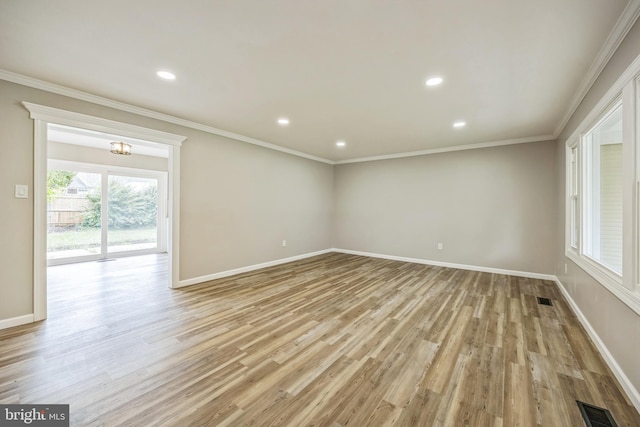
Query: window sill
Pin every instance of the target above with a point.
(611, 281)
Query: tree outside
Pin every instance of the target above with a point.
(57, 182)
(128, 208)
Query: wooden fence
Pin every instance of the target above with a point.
(66, 211)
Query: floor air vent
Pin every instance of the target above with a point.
(544, 301)
(596, 417)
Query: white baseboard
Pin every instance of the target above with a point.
(624, 381)
(16, 321)
(220, 275)
(451, 265)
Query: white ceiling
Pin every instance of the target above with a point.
(351, 70)
(101, 140)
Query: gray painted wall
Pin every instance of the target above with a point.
(238, 201)
(615, 323)
(492, 207)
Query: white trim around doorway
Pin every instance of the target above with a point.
(42, 116)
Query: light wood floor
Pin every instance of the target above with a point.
(333, 340)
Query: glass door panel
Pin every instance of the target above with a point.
(73, 214)
(132, 215)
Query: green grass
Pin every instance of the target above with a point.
(90, 238)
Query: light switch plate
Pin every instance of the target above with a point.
(22, 191)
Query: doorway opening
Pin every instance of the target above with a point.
(101, 205)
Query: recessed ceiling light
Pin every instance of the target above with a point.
(167, 75)
(283, 121)
(434, 81)
(341, 144)
(459, 124)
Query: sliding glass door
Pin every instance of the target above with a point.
(70, 198)
(95, 212)
(132, 214)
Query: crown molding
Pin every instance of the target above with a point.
(106, 102)
(628, 17)
(610, 96)
(449, 149)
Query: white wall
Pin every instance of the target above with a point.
(614, 322)
(491, 207)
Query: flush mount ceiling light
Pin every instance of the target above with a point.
(434, 81)
(341, 144)
(283, 121)
(119, 147)
(167, 75)
(459, 124)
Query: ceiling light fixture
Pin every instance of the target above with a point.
(434, 81)
(167, 75)
(459, 124)
(119, 147)
(283, 121)
(341, 144)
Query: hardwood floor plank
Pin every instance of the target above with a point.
(347, 398)
(547, 392)
(332, 340)
(410, 373)
(519, 403)
(317, 396)
(439, 372)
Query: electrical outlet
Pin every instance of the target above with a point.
(284, 243)
(440, 246)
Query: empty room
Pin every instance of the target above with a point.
(332, 213)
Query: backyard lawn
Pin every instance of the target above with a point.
(90, 238)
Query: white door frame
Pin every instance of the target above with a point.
(42, 116)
